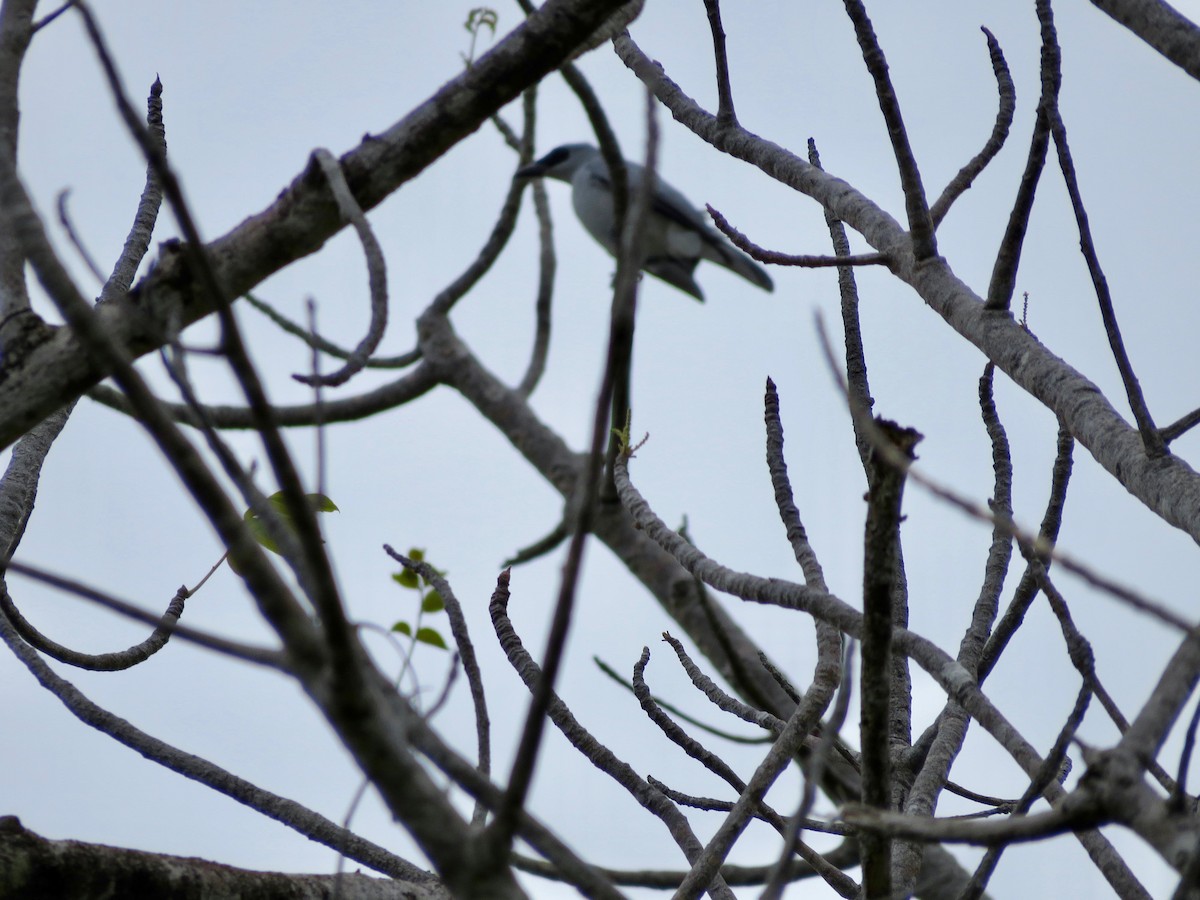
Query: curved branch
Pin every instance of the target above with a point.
(262, 656)
(376, 275)
(388, 396)
(137, 243)
(920, 225)
(115, 661)
(675, 733)
(1004, 118)
(775, 258)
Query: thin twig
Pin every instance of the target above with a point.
(376, 273)
(466, 651)
(1152, 440)
(165, 625)
(725, 112)
(325, 345)
(1008, 257)
(64, 219)
(803, 260)
(580, 738)
(680, 714)
(920, 226)
(966, 176)
(719, 698)
(1180, 426)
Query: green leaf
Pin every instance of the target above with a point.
(321, 503)
(407, 578)
(622, 434)
(433, 602)
(403, 627)
(481, 17)
(259, 530)
(316, 502)
(416, 554)
(430, 636)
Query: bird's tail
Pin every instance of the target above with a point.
(677, 272)
(736, 261)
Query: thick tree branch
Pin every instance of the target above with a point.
(1158, 24)
(301, 220)
(37, 867)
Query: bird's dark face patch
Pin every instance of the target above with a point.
(553, 158)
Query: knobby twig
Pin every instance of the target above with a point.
(466, 651)
(680, 714)
(774, 257)
(920, 226)
(966, 176)
(376, 274)
(725, 112)
(1008, 257)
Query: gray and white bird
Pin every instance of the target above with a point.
(677, 235)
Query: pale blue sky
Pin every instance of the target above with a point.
(251, 89)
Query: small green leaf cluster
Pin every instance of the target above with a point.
(430, 602)
(479, 18)
(318, 503)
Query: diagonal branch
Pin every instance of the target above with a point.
(1158, 24)
(1151, 437)
(920, 225)
(1008, 257)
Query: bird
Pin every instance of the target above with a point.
(676, 235)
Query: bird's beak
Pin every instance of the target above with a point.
(532, 171)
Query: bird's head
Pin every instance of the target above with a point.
(561, 162)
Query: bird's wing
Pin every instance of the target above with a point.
(666, 202)
(674, 207)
